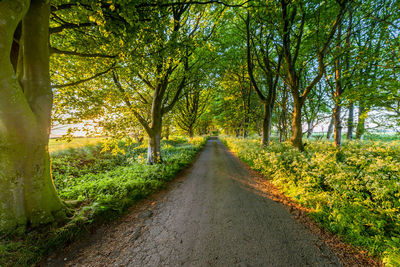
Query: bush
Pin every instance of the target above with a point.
(108, 180)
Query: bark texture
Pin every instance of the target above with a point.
(266, 125)
(337, 94)
(154, 148)
(27, 192)
(297, 129)
(362, 115)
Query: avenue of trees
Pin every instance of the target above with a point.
(144, 68)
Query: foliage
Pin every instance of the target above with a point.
(115, 181)
(103, 185)
(353, 192)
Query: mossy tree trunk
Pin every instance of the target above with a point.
(27, 192)
(191, 132)
(297, 128)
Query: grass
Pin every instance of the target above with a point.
(354, 192)
(100, 186)
(382, 137)
(61, 144)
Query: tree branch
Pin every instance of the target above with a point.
(54, 50)
(176, 97)
(67, 6)
(59, 29)
(54, 86)
(249, 63)
(192, 3)
(142, 121)
(147, 82)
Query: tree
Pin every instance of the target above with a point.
(156, 50)
(297, 18)
(316, 108)
(342, 76)
(192, 106)
(283, 111)
(269, 62)
(27, 193)
(164, 68)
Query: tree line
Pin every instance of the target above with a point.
(140, 67)
(313, 63)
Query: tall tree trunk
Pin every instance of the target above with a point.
(362, 115)
(272, 80)
(280, 128)
(245, 115)
(266, 125)
(244, 128)
(284, 122)
(27, 192)
(330, 129)
(190, 131)
(350, 122)
(350, 119)
(338, 125)
(154, 147)
(338, 93)
(245, 125)
(297, 131)
(258, 128)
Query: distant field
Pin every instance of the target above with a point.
(57, 145)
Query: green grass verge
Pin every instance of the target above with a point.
(354, 192)
(61, 144)
(103, 185)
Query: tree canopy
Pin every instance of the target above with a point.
(139, 68)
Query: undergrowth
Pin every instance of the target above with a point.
(354, 192)
(97, 186)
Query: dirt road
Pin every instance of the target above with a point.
(212, 218)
